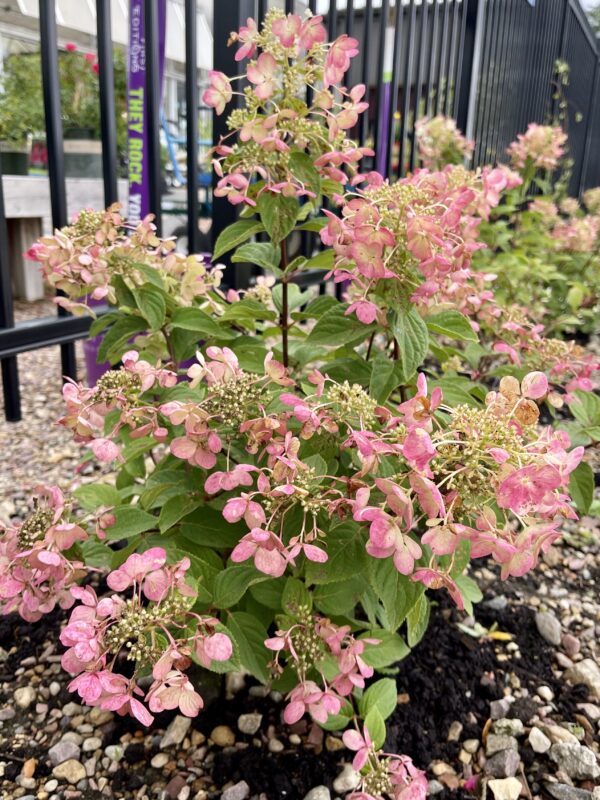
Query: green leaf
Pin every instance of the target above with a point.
(347, 556)
(339, 598)
(398, 594)
(263, 254)
(381, 695)
(207, 527)
(247, 312)
(194, 319)
(452, 324)
(417, 620)
(96, 554)
(375, 724)
(469, 591)
(410, 331)
(175, 509)
(116, 340)
(321, 260)
(250, 637)
(385, 377)
(233, 582)
(235, 234)
(337, 722)
(586, 408)
(130, 521)
(581, 487)
(315, 224)
(278, 215)
(335, 329)
(93, 495)
(303, 168)
(296, 598)
(152, 304)
(390, 648)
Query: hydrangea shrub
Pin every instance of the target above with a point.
(291, 501)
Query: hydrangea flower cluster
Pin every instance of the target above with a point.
(540, 147)
(155, 630)
(36, 569)
(276, 128)
(440, 142)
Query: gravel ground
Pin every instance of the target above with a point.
(500, 706)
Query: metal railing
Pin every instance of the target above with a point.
(489, 63)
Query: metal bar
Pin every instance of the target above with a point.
(9, 367)
(499, 70)
(191, 104)
(465, 48)
(151, 36)
(434, 51)
(289, 6)
(419, 79)
(349, 17)
(410, 51)
(474, 103)
(399, 11)
(451, 64)
(385, 10)
(366, 61)
(590, 127)
(442, 59)
(332, 20)
(54, 144)
(44, 332)
(108, 125)
(486, 98)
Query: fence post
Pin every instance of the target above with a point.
(10, 372)
(106, 82)
(153, 76)
(589, 126)
(191, 110)
(227, 17)
(470, 67)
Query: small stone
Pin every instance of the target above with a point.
(508, 727)
(538, 740)
(175, 733)
(249, 723)
(333, 744)
(454, 731)
(71, 771)
(63, 751)
(239, 791)
(275, 746)
(24, 696)
(497, 603)
(562, 791)
(99, 716)
(471, 745)
(577, 761)
(505, 788)
(548, 627)
(440, 768)
(503, 764)
(500, 708)
(450, 780)
(495, 743)
(434, 787)
(91, 744)
(223, 736)
(115, 752)
(586, 672)
(54, 688)
(6, 714)
(318, 793)
(51, 785)
(556, 733)
(571, 644)
(464, 757)
(295, 739)
(71, 709)
(174, 787)
(546, 693)
(29, 766)
(347, 780)
(159, 760)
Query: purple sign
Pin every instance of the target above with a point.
(137, 118)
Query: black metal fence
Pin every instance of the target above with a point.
(489, 63)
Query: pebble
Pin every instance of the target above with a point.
(546, 693)
(441, 768)
(222, 736)
(548, 627)
(347, 780)
(562, 791)
(239, 791)
(495, 743)
(24, 696)
(471, 745)
(175, 786)
(295, 739)
(318, 793)
(175, 733)
(586, 672)
(508, 727)
(249, 723)
(571, 644)
(556, 733)
(434, 787)
(115, 752)
(6, 714)
(71, 771)
(503, 764)
(159, 760)
(63, 751)
(538, 740)
(51, 785)
(54, 688)
(575, 760)
(505, 788)
(333, 744)
(454, 731)
(275, 746)
(71, 709)
(91, 744)
(500, 708)
(99, 716)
